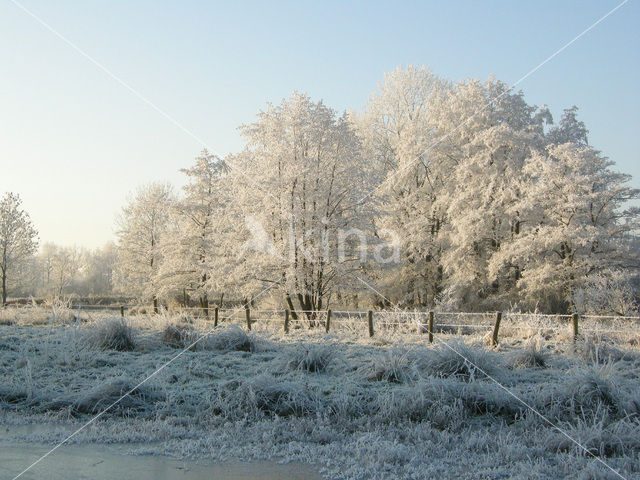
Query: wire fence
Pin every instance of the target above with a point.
(494, 326)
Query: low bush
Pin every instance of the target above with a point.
(422, 402)
(487, 398)
(446, 402)
(13, 394)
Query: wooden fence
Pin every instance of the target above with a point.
(372, 323)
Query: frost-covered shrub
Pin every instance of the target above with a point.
(231, 338)
(112, 334)
(121, 395)
(528, 357)
(456, 359)
(310, 358)
(608, 293)
(390, 366)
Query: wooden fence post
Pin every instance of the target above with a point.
(247, 313)
(496, 328)
(328, 323)
(574, 320)
(121, 311)
(430, 325)
(286, 321)
(215, 317)
(370, 321)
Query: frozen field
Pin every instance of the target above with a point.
(391, 406)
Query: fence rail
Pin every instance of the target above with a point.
(370, 322)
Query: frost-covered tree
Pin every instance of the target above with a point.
(398, 132)
(488, 133)
(607, 292)
(58, 271)
(99, 266)
(63, 265)
(454, 153)
(575, 225)
(18, 239)
(491, 204)
(142, 225)
(198, 244)
(311, 176)
(570, 129)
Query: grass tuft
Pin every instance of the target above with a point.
(177, 335)
(459, 360)
(391, 366)
(528, 357)
(266, 394)
(229, 338)
(140, 399)
(310, 358)
(112, 334)
(587, 393)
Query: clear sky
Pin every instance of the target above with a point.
(74, 142)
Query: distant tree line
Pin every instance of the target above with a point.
(438, 194)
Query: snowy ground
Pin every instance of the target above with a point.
(388, 407)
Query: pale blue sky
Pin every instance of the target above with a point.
(74, 142)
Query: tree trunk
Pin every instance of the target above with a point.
(4, 289)
(204, 299)
(204, 305)
(292, 309)
(307, 307)
(155, 304)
